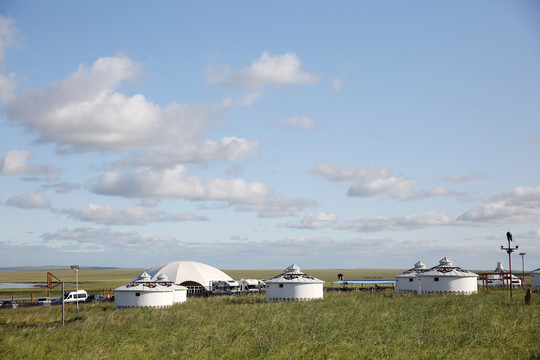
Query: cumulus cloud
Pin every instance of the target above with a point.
(145, 182)
(521, 204)
(320, 220)
(84, 112)
(268, 69)
(299, 122)
(16, 162)
(106, 239)
(227, 149)
(108, 215)
(348, 173)
(399, 188)
(30, 200)
(241, 101)
(276, 207)
(62, 187)
(397, 223)
(375, 181)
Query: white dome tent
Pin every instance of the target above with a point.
(446, 278)
(407, 280)
(142, 292)
(293, 285)
(535, 279)
(196, 276)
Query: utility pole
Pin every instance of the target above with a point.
(509, 250)
(77, 268)
(522, 268)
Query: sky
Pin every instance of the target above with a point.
(252, 135)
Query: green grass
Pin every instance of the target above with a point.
(369, 325)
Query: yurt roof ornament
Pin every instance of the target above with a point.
(509, 250)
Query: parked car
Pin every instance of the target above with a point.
(95, 299)
(43, 301)
(56, 301)
(10, 304)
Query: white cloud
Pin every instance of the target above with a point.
(521, 204)
(299, 122)
(242, 101)
(108, 215)
(84, 112)
(399, 188)
(333, 173)
(276, 207)
(268, 69)
(398, 223)
(16, 162)
(320, 220)
(30, 200)
(227, 149)
(105, 239)
(145, 182)
(62, 187)
(337, 84)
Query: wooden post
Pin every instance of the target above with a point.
(32, 297)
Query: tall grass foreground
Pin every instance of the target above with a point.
(354, 325)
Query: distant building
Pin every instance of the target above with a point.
(446, 278)
(535, 279)
(293, 285)
(407, 280)
(144, 292)
(499, 278)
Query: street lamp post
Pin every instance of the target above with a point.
(522, 268)
(509, 250)
(76, 268)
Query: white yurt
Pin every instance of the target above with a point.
(293, 285)
(446, 278)
(535, 279)
(179, 293)
(196, 276)
(143, 292)
(407, 281)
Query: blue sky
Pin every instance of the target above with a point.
(248, 135)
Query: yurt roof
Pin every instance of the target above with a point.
(419, 267)
(188, 271)
(537, 271)
(446, 268)
(292, 274)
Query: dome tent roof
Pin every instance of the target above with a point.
(180, 272)
(419, 267)
(292, 274)
(446, 268)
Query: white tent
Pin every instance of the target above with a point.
(446, 278)
(407, 280)
(142, 292)
(293, 285)
(535, 278)
(189, 273)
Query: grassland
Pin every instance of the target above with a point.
(352, 325)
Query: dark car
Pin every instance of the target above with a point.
(10, 304)
(95, 299)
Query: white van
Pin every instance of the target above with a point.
(72, 296)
